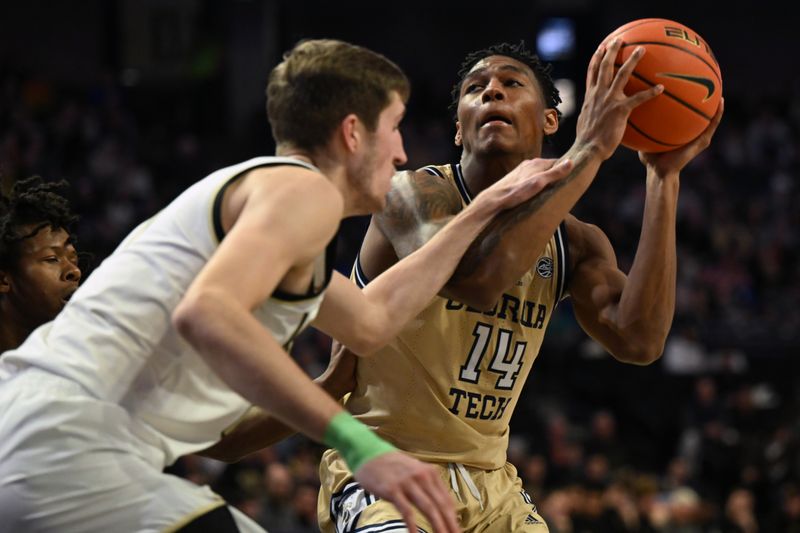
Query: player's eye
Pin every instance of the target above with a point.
(472, 88)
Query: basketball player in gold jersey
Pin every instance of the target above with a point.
(444, 390)
(183, 330)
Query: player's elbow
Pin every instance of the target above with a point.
(365, 344)
(641, 354)
(372, 334)
(481, 293)
(220, 453)
(482, 303)
(193, 315)
(487, 284)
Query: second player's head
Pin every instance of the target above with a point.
(505, 102)
(38, 262)
(329, 95)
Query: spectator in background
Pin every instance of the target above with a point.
(38, 262)
(62, 130)
(739, 514)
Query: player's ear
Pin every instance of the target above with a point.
(550, 121)
(349, 132)
(458, 139)
(5, 282)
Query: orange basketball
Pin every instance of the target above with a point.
(680, 60)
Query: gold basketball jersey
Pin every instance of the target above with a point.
(445, 388)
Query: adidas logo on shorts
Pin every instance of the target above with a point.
(532, 520)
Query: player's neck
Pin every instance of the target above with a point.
(12, 334)
(481, 171)
(330, 166)
(300, 155)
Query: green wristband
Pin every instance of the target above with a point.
(355, 441)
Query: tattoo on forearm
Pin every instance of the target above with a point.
(490, 237)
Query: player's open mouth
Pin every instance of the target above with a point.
(495, 120)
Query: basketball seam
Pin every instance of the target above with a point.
(643, 22)
(667, 93)
(716, 74)
(650, 137)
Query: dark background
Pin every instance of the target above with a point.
(132, 101)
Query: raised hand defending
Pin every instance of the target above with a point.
(524, 182)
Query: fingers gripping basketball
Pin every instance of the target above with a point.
(679, 59)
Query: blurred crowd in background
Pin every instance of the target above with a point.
(707, 439)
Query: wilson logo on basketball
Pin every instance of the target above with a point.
(544, 267)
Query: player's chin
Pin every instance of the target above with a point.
(495, 144)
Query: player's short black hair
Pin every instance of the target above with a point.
(521, 53)
(32, 202)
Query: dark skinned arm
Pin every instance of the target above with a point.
(631, 315)
(421, 203)
(508, 247)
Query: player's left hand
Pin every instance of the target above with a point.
(527, 180)
(407, 482)
(340, 376)
(673, 161)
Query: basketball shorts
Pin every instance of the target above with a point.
(68, 464)
(490, 501)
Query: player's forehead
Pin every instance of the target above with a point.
(45, 238)
(499, 63)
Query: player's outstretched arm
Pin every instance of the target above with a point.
(366, 320)
(259, 249)
(512, 242)
(631, 315)
(280, 223)
(258, 429)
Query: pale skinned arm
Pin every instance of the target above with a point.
(369, 319)
(259, 429)
(512, 242)
(215, 315)
(631, 315)
(266, 240)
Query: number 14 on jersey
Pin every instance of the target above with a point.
(506, 360)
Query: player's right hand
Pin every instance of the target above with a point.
(406, 482)
(664, 163)
(606, 107)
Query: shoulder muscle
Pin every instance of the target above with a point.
(418, 205)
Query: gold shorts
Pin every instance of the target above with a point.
(490, 501)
